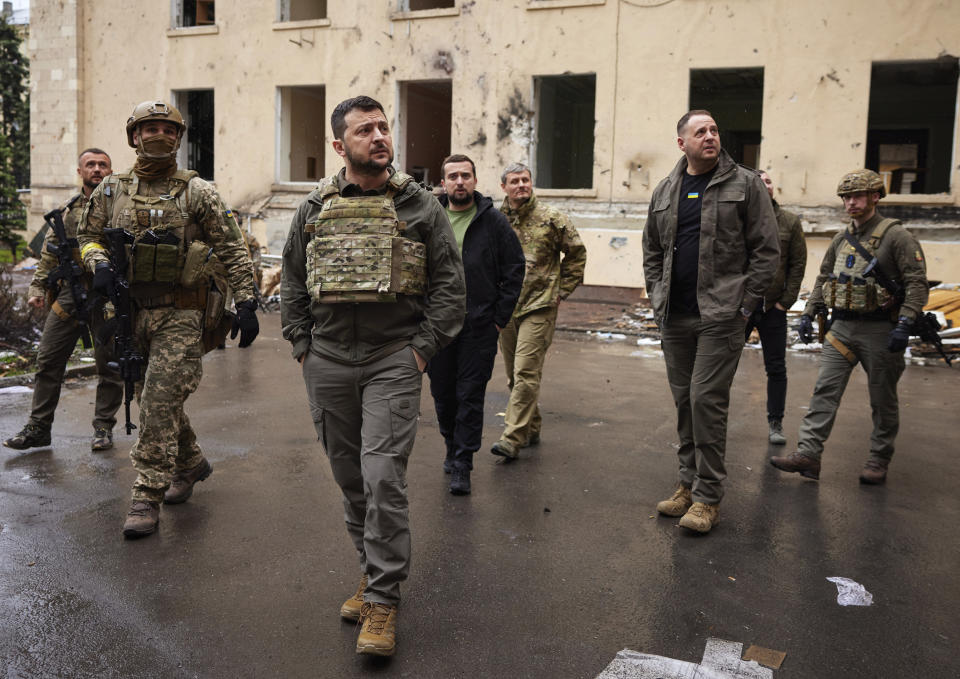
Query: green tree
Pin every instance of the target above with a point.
(14, 103)
(13, 214)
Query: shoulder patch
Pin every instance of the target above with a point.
(917, 256)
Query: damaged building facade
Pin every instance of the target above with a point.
(587, 92)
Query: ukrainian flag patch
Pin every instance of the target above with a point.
(693, 195)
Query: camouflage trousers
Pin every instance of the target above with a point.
(57, 343)
(170, 340)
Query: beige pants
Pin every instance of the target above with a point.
(523, 344)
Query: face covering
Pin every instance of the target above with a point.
(156, 157)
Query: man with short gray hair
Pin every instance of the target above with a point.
(556, 259)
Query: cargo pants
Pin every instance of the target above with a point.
(57, 343)
(170, 341)
(867, 342)
(523, 344)
(366, 420)
(702, 359)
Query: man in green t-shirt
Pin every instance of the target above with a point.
(493, 265)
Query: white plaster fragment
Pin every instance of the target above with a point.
(851, 593)
(721, 660)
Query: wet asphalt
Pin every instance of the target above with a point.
(550, 567)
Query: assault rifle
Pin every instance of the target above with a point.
(926, 325)
(68, 271)
(129, 362)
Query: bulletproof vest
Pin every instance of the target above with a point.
(847, 288)
(358, 252)
(163, 231)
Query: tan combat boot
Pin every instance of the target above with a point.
(352, 606)
(378, 634)
(874, 472)
(701, 517)
(678, 504)
(181, 485)
(142, 519)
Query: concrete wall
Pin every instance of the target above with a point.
(94, 60)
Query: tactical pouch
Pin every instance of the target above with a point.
(166, 269)
(216, 321)
(195, 264)
(155, 263)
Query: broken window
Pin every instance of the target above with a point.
(302, 125)
(193, 13)
(735, 98)
(424, 127)
(565, 131)
(416, 5)
(302, 10)
(910, 126)
(196, 149)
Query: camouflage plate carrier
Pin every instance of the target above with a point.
(847, 288)
(358, 252)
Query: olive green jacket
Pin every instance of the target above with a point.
(360, 333)
(793, 260)
(899, 257)
(544, 234)
(48, 260)
(739, 249)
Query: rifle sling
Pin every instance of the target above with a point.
(841, 347)
(877, 234)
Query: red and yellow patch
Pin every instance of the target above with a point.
(917, 256)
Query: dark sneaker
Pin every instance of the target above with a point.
(874, 472)
(351, 608)
(701, 517)
(181, 485)
(142, 519)
(776, 436)
(31, 436)
(504, 449)
(378, 635)
(460, 482)
(799, 463)
(102, 439)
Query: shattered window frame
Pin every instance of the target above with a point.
(548, 170)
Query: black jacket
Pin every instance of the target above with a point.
(493, 265)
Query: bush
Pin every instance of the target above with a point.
(21, 327)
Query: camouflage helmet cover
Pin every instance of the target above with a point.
(861, 180)
(153, 110)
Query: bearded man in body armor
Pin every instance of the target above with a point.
(180, 236)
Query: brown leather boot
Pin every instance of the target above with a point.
(797, 462)
(142, 519)
(678, 504)
(378, 635)
(181, 485)
(874, 472)
(701, 517)
(351, 607)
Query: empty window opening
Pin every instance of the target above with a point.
(910, 126)
(416, 5)
(735, 98)
(193, 13)
(303, 122)
(565, 131)
(425, 120)
(302, 10)
(196, 149)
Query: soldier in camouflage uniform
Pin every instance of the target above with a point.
(372, 287)
(869, 325)
(545, 234)
(61, 331)
(172, 215)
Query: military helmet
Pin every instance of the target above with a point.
(861, 180)
(153, 110)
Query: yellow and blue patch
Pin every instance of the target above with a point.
(693, 195)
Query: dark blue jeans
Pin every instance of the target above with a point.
(772, 327)
(458, 383)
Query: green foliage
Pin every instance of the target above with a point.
(13, 214)
(15, 103)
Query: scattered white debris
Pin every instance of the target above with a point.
(645, 341)
(850, 593)
(721, 660)
(17, 389)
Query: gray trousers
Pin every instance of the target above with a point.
(701, 360)
(867, 340)
(57, 343)
(366, 419)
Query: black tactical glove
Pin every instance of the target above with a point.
(806, 329)
(245, 323)
(899, 337)
(104, 278)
